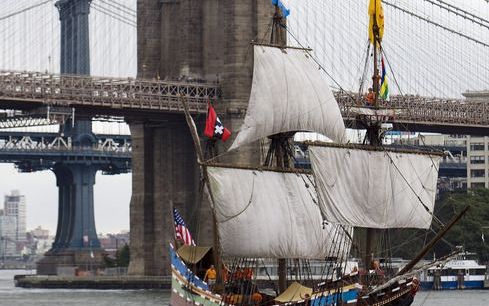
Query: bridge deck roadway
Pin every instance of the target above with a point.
(129, 96)
(25, 90)
(32, 151)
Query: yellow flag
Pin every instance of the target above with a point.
(376, 13)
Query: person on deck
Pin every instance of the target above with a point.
(247, 273)
(225, 273)
(378, 273)
(247, 277)
(370, 97)
(256, 298)
(210, 276)
(238, 274)
(377, 269)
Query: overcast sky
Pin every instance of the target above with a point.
(426, 60)
(30, 41)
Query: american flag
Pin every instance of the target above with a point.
(181, 231)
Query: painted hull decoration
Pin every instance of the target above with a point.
(188, 289)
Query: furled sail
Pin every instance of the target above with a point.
(265, 214)
(289, 94)
(375, 188)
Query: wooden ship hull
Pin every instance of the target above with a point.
(188, 289)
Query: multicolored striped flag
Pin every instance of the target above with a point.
(181, 231)
(384, 86)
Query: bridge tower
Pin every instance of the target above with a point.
(193, 40)
(76, 242)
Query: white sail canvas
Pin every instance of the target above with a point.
(264, 214)
(288, 94)
(378, 189)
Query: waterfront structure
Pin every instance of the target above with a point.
(15, 206)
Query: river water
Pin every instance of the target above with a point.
(12, 296)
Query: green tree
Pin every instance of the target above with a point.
(123, 256)
(468, 232)
(109, 262)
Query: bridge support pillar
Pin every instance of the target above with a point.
(76, 242)
(165, 175)
(187, 40)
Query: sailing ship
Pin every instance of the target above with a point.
(292, 217)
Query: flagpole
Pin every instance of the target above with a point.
(193, 130)
(200, 159)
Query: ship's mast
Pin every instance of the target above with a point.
(281, 144)
(373, 133)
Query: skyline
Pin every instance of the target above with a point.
(41, 193)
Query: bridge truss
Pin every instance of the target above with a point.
(24, 90)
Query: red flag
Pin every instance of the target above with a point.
(214, 127)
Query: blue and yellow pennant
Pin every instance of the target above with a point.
(384, 87)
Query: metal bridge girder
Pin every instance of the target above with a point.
(72, 90)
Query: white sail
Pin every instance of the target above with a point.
(378, 189)
(265, 214)
(289, 93)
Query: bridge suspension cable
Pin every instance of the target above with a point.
(460, 12)
(436, 24)
(24, 10)
(429, 56)
(113, 14)
(124, 9)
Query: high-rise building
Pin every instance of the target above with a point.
(8, 233)
(14, 206)
(478, 162)
(477, 150)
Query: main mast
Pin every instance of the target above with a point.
(281, 144)
(373, 135)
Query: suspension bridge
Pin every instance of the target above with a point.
(200, 51)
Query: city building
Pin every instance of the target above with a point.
(478, 166)
(113, 242)
(8, 233)
(477, 150)
(14, 206)
(40, 233)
